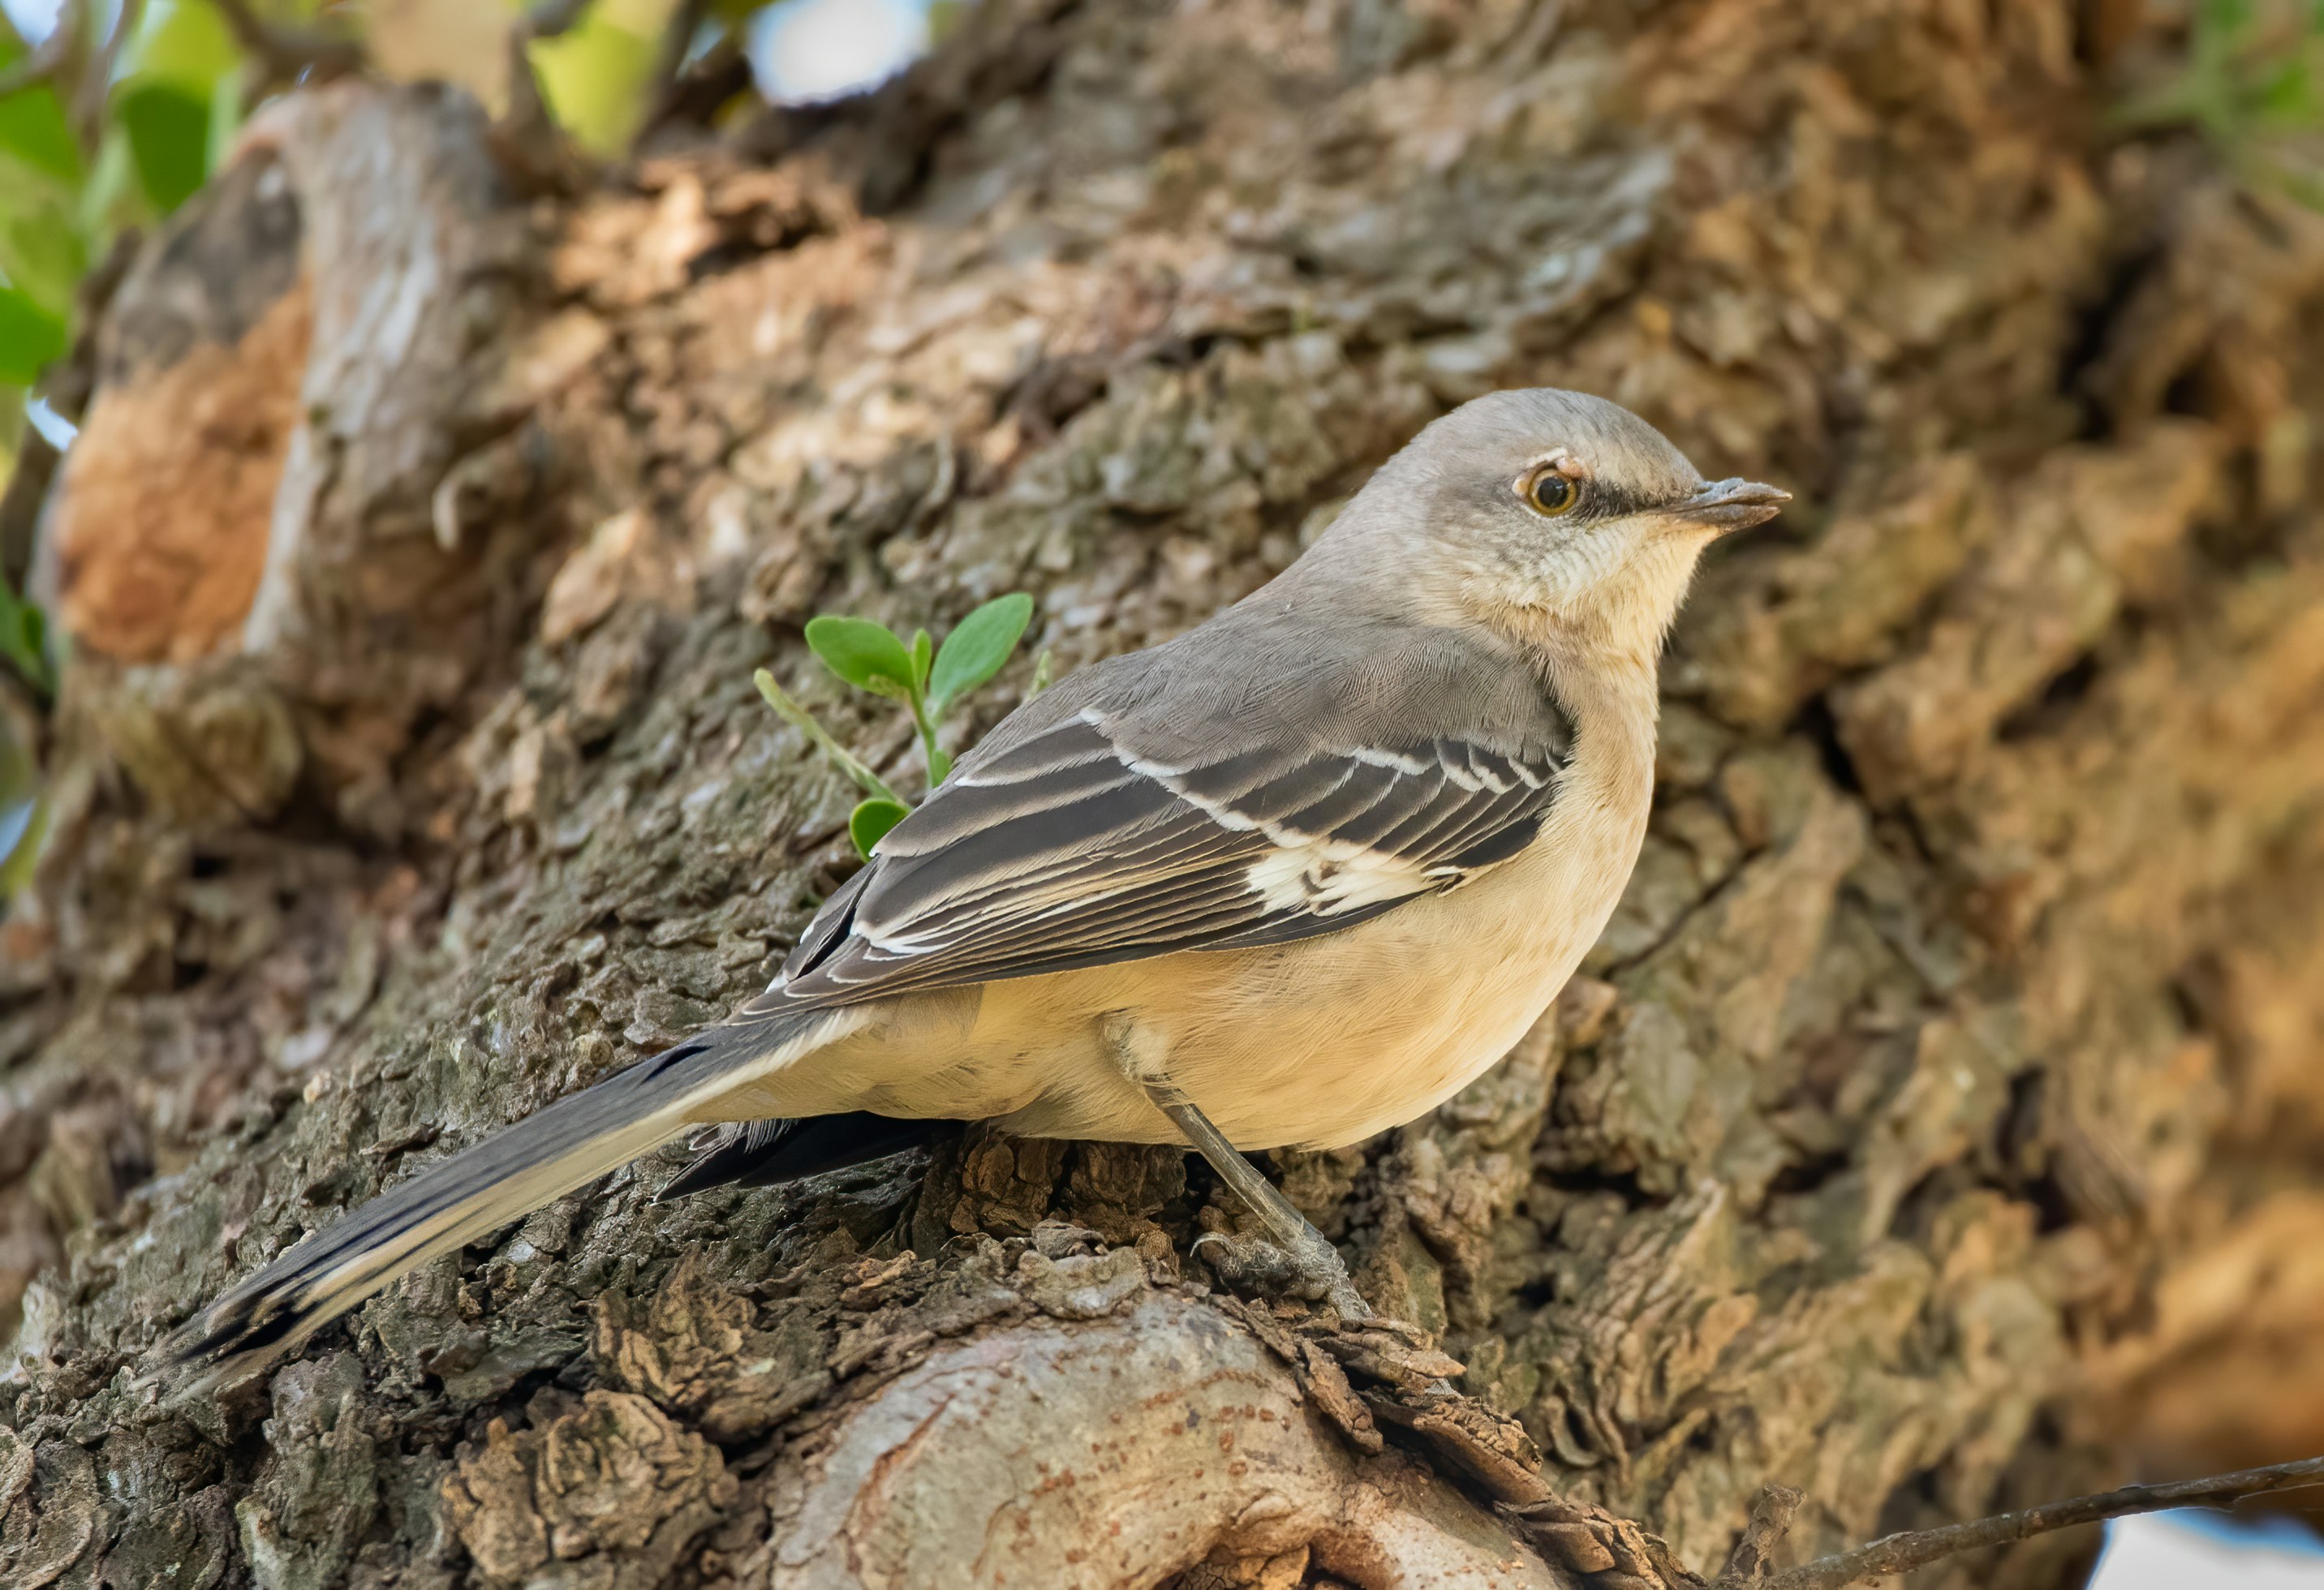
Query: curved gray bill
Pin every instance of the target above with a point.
(1731, 505)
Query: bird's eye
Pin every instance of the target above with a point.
(1549, 492)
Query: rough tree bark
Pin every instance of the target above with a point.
(1927, 1132)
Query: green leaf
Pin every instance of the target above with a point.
(25, 639)
(34, 129)
(181, 41)
(869, 824)
(595, 77)
(42, 250)
(924, 652)
(169, 129)
(977, 648)
(939, 766)
(866, 655)
(30, 336)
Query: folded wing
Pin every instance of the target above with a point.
(1090, 840)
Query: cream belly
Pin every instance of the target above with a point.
(1319, 1042)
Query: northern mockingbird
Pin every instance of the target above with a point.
(1292, 878)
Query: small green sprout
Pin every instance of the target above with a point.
(929, 680)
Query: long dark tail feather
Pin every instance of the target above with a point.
(764, 1154)
(500, 1180)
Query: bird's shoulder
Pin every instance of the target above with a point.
(1252, 679)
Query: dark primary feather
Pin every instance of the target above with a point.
(764, 1154)
(1211, 796)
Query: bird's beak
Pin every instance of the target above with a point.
(1731, 505)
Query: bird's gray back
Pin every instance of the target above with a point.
(1252, 677)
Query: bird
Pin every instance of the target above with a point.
(1288, 879)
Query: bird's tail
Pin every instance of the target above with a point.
(501, 1180)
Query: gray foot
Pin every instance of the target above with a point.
(1310, 1269)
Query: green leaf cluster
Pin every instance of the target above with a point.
(929, 680)
(121, 117)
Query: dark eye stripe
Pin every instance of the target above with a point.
(1602, 500)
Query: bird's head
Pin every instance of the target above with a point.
(1550, 516)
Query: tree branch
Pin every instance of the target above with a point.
(686, 20)
(526, 138)
(1771, 1520)
(47, 58)
(287, 53)
(1896, 1554)
(96, 78)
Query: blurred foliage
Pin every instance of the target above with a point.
(2251, 81)
(78, 165)
(119, 114)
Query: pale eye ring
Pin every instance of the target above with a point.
(1548, 491)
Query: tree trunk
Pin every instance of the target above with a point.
(1927, 1132)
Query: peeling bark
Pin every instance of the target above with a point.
(1927, 1132)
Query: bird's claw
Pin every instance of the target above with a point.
(1312, 1271)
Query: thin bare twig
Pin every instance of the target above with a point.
(47, 58)
(96, 81)
(700, 86)
(287, 53)
(669, 62)
(527, 134)
(1896, 1554)
(20, 507)
(550, 19)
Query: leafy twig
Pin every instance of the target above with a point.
(928, 679)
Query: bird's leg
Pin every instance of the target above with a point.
(1311, 1256)
(1312, 1259)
